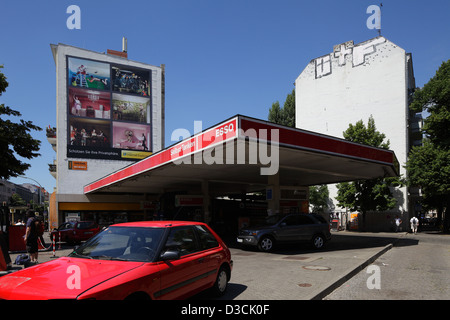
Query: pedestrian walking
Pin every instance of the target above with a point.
(398, 222)
(40, 230)
(414, 224)
(31, 236)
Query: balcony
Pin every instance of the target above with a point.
(415, 130)
(52, 169)
(51, 136)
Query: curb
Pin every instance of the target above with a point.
(350, 274)
(353, 272)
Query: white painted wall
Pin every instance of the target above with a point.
(351, 84)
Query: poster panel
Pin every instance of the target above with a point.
(130, 80)
(131, 136)
(89, 132)
(90, 74)
(89, 103)
(130, 108)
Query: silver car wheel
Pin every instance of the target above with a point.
(318, 242)
(266, 244)
(222, 280)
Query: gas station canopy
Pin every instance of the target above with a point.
(241, 154)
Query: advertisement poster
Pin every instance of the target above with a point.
(89, 103)
(130, 136)
(109, 111)
(130, 108)
(89, 74)
(131, 80)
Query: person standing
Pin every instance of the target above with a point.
(398, 223)
(414, 224)
(31, 236)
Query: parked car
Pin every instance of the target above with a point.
(134, 260)
(75, 231)
(286, 229)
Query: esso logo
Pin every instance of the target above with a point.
(224, 130)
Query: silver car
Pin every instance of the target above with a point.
(291, 228)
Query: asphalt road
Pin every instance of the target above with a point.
(416, 268)
(297, 272)
(410, 267)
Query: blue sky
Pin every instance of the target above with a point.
(222, 57)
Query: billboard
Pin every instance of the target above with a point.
(109, 110)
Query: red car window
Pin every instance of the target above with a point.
(86, 225)
(206, 238)
(65, 226)
(182, 239)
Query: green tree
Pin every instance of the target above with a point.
(371, 194)
(318, 198)
(369, 135)
(275, 113)
(428, 165)
(15, 139)
(286, 115)
(434, 98)
(16, 200)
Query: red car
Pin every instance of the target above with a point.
(75, 231)
(135, 260)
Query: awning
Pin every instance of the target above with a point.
(240, 153)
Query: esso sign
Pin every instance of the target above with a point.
(224, 130)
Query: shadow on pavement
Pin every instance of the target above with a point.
(339, 241)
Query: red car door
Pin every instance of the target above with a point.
(65, 231)
(85, 230)
(190, 273)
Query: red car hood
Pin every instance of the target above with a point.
(59, 279)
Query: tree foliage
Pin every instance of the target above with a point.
(434, 98)
(286, 115)
(366, 135)
(16, 200)
(372, 194)
(319, 198)
(15, 139)
(429, 168)
(428, 165)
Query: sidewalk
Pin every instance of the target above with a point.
(61, 250)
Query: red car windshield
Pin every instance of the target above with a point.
(122, 243)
